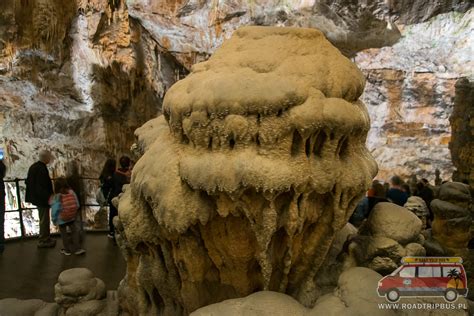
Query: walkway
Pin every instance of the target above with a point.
(29, 272)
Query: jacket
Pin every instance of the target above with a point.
(107, 186)
(119, 179)
(39, 187)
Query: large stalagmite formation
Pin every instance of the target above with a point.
(258, 160)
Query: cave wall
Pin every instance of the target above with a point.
(80, 77)
(410, 93)
(462, 122)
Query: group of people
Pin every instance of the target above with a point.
(63, 201)
(395, 191)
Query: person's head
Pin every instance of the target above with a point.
(124, 162)
(395, 182)
(45, 156)
(406, 188)
(425, 181)
(378, 189)
(419, 186)
(61, 185)
(109, 167)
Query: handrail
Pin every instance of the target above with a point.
(20, 208)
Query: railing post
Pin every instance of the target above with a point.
(20, 208)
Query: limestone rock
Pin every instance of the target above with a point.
(434, 248)
(373, 249)
(76, 77)
(382, 265)
(78, 285)
(418, 206)
(356, 288)
(256, 155)
(454, 191)
(446, 210)
(451, 227)
(386, 247)
(409, 93)
(32, 307)
(461, 120)
(395, 222)
(329, 305)
(339, 241)
(79, 77)
(355, 295)
(263, 303)
(415, 250)
(87, 308)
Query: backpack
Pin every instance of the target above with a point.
(100, 198)
(69, 206)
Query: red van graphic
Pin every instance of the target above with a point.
(425, 276)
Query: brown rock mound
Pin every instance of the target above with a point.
(258, 161)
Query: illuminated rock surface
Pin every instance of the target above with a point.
(258, 160)
(453, 218)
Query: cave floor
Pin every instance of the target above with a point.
(29, 272)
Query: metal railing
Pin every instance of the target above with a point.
(15, 203)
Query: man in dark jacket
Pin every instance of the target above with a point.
(395, 194)
(39, 189)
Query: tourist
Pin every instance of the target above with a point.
(121, 176)
(3, 171)
(375, 194)
(75, 183)
(395, 194)
(406, 188)
(360, 212)
(39, 189)
(107, 185)
(426, 193)
(64, 207)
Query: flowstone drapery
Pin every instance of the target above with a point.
(258, 160)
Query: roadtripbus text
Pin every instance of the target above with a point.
(423, 306)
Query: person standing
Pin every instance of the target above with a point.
(3, 171)
(107, 185)
(395, 194)
(426, 193)
(120, 178)
(39, 189)
(75, 183)
(64, 207)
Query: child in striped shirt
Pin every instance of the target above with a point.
(64, 206)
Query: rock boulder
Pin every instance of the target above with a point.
(395, 222)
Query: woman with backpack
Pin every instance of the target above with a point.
(64, 206)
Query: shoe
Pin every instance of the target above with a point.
(111, 236)
(80, 251)
(65, 252)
